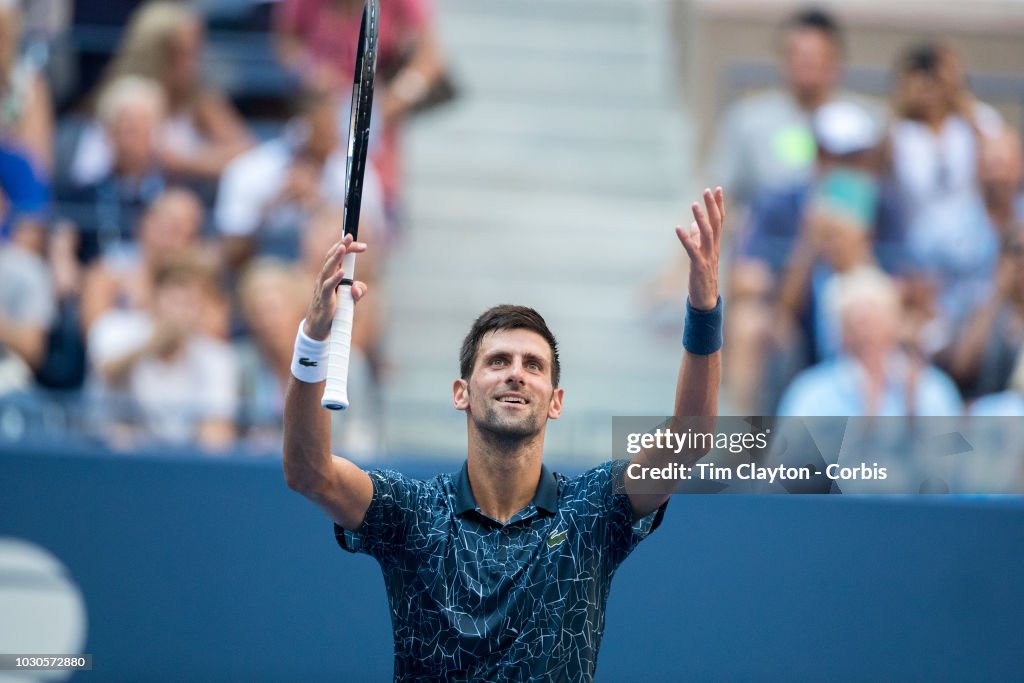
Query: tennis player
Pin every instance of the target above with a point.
(501, 571)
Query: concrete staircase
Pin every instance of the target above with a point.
(554, 181)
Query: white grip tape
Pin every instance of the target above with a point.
(340, 346)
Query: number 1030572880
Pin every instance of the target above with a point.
(37, 662)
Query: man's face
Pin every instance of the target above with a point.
(811, 61)
(509, 392)
(870, 329)
(133, 134)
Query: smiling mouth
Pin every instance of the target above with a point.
(513, 400)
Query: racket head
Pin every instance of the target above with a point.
(360, 115)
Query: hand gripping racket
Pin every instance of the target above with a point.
(336, 393)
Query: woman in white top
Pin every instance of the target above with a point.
(936, 139)
(164, 41)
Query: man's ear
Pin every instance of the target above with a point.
(555, 409)
(460, 394)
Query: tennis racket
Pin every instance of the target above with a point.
(340, 348)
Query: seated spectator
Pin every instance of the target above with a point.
(26, 107)
(268, 194)
(169, 228)
(201, 132)
(872, 376)
(843, 219)
(987, 347)
(274, 296)
(27, 309)
(158, 377)
(317, 40)
(935, 140)
(107, 207)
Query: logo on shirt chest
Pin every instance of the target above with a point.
(557, 538)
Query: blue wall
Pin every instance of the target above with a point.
(207, 570)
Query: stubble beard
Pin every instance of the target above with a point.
(510, 430)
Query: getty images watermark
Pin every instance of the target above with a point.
(820, 455)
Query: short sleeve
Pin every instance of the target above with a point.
(596, 492)
(246, 185)
(390, 519)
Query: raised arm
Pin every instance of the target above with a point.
(335, 484)
(700, 371)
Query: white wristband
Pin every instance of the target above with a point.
(309, 363)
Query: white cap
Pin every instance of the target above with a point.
(842, 128)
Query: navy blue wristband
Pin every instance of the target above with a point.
(702, 331)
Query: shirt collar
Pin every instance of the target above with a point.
(546, 497)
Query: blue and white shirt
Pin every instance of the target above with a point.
(476, 600)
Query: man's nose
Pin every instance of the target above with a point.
(516, 372)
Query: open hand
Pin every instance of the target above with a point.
(703, 245)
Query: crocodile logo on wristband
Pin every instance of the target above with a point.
(307, 363)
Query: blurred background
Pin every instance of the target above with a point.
(533, 153)
(172, 172)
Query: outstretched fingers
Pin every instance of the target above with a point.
(703, 226)
(690, 240)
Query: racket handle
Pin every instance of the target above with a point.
(340, 347)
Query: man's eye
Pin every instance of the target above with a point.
(497, 361)
(533, 365)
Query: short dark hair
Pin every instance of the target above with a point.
(817, 19)
(506, 317)
(923, 58)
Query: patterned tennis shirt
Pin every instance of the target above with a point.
(473, 599)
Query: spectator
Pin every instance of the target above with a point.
(159, 377)
(272, 295)
(765, 141)
(106, 208)
(935, 139)
(765, 146)
(26, 107)
(872, 376)
(27, 308)
(843, 219)
(169, 227)
(201, 132)
(317, 40)
(268, 194)
(987, 347)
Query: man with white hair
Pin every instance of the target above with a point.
(872, 375)
(111, 190)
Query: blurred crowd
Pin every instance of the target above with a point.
(158, 245)
(876, 265)
(158, 241)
